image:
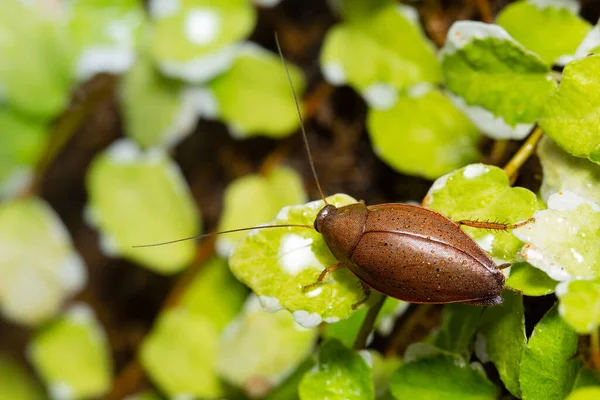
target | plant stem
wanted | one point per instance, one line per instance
(526, 150)
(367, 326)
(485, 10)
(595, 344)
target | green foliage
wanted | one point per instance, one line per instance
(570, 116)
(529, 280)
(548, 368)
(340, 374)
(454, 379)
(71, 355)
(580, 304)
(534, 26)
(587, 393)
(125, 186)
(501, 85)
(457, 329)
(436, 137)
(34, 284)
(481, 192)
(276, 263)
(15, 383)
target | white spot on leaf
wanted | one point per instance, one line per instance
(163, 8)
(381, 96)
(333, 72)
(202, 26)
(570, 5)
(270, 304)
(475, 170)
(306, 319)
(202, 68)
(296, 253)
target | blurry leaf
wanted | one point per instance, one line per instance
(572, 254)
(15, 383)
(144, 396)
(256, 199)
(529, 280)
(534, 24)
(215, 293)
(72, 355)
(580, 304)
(383, 369)
(254, 97)
(548, 368)
(482, 193)
(288, 390)
(140, 198)
(21, 142)
(562, 171)
(196, 40)
(435, 138)
(340, 374)
(157, 111)
(587, 376)
(347, 330)
(590, 44)
(441, 376)
(357, 9)
(106, 34)
(38, 267)
(502, 330)
(458, 326)
(587, 393)
(379, 54)
(276, 263)
(258, 350)
(499, 84)
(179, 355)
(38, 78)
(570, 117)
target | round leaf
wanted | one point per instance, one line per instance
(580, 304)
(15, 383)
(482, 193)
(72, 356)
(424, 135)
(573, 252)
(534, 24)
(259, 349)
(529, 280)
(256, 199)
(340, 374)
(570, 117)
(499, 84)
(276, 263)
(140, 198)
(34, 284)
(197, 40)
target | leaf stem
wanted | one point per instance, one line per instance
(367, 326)
(485, 10)
(526, 150)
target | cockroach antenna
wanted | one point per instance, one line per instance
(304, 135)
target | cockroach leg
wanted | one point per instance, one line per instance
(367, 293)
(494, 225)
(502, 266)
(324, 273)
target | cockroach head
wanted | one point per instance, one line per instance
(322, 215)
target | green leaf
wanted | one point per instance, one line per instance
(256, 199)
(179, 355)
(254, 97)
(441, 376)
(347, 330)
(71, 355)
(587, 393)
(502, 337)
(499, 84)
(106, 34)
(21, 143)
(563, 172)
(574, 253)
(276, 263)
(570, 117)
(383, 370)
(198, 40)
(534, 24)
(340, 374)
(590, 44)
(587, 376)
(548, 368)
(580, 304)
(379, 54)
(15, 383)
(214, 293)
(436, 137)
(288, 390)
(482, 193)
(457, 329)
(141, 198)
(157, 111)
(34, 284)
(38, 78)
(529, 280)
(258, 350)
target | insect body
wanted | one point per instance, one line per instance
(410, 253)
